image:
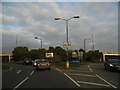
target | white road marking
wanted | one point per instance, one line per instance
(77, 71)
(31, 72)
(106, 81)
(18, 71)
(20, 83)
(81, 74)
(58, 69)
(90, 68)
(72, 80)
(93, 83)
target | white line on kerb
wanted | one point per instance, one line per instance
(106, 81)
(72, 79)
(20, 83)
(31, 72)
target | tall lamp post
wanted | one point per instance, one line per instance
(85, 43)
(40, 40)
(67, 26)
(67, 41)
(85, 47)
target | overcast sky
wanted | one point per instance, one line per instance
(22, 21)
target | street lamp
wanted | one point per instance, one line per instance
(85, 44)
(40, 40)
(92, 43)
(67, 41)
(66, 25)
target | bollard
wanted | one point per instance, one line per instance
(67, 64)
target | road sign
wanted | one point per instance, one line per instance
(67, 44)
(49, 55)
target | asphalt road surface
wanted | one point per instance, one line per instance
(88, 76)
(93, 76)
(21, 76)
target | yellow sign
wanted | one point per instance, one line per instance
(67, 44)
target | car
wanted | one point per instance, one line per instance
(19, 62)
(74, 61)
(35, 62)
(43, 64)
(112, 65)
(27, 61)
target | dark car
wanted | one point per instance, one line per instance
(27, 61)
(43, 64)
(19, 62)
(112, 65)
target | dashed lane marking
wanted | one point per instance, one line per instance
(31, 73)
(20, 83)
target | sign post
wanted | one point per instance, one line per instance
(67, 45)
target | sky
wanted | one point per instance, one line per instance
(23, 21)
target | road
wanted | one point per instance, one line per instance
(93, 76)
(27, 77)
(88, 76)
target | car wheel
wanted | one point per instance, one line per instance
(105, 68)
(48, 68)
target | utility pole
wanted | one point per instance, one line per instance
(16, 40)
(92, 43)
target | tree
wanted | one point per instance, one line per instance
(94, 56)
(51, 50)
(35, 54)
(42, 53)
(61, 52)
(20, 53)
(69, 52)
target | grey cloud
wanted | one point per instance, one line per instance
(37, 19)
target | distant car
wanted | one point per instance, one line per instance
(43, 64)
(74, 61)
(19, 62)
(27, 61)
(112, 65)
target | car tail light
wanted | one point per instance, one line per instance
(38, 64)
